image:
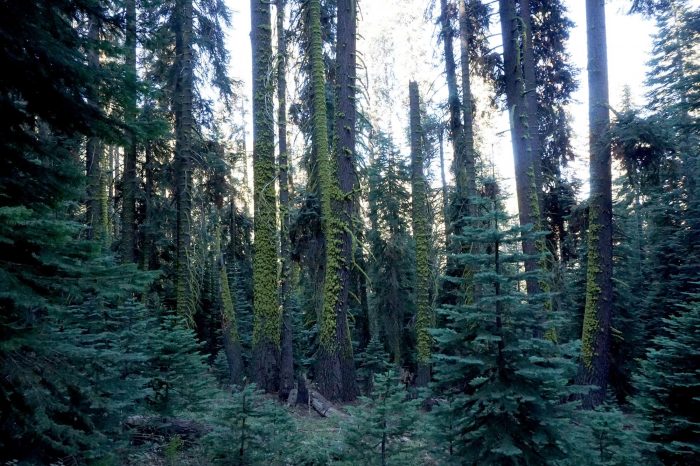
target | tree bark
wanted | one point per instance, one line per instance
(525, 179)
(419, 215)
(287, 350)
(469, 157)
(184, 132)
(267, 326)
(229, 323)
(595, 340)
(128, 239)
(96, 195)
(335, 372)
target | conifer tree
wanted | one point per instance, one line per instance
(669, 388)
(381, 428)
(267, 326)
(595, 339)
(502, 383)
(334, 358)
(421, 238)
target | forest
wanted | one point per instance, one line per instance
(199, 271)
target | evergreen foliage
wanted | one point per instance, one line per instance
(502, 383)
(382, 428)
(669, 388)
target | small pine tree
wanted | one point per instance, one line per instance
(669, 388)
(250, 429)
(374, 360)
(381, 430)
(498, 384)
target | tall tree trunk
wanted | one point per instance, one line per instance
(147, 251)
(128, 239)
(469, 157)
(595, 340)
(445, 198)
(184, 132)
(335, 366)
(525, 179)
(419, 215)
(96, 202)
(267, 325)
(454, 105)
(287, 350)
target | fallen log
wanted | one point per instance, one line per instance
(166, 427)
(322, 406)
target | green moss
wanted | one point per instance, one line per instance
(591, 325)
(267, 315)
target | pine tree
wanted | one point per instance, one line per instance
(419, 214)
(595, 339)
(502, 383)
(335, 349)
(250, 430)
(267, 328)
(382, 427)
(669, 387)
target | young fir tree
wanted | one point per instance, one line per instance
(501, 384)
(382, 428)
(391, 266)
(251, 429)
(669, 388)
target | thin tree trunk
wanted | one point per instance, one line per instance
(421, 236)
(287, 349)
(128, 233)
(469, 157)
(445, 199)
(267, 326)
(184, 132)
(454, 105)
(229, 324)
(96, 208)
(148, 236)
(525, 180)
(595, 340)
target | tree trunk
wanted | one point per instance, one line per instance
(454, 105)
(422, 238)
(96, 208)
(525, 178)
(229, 323)
(128, 239)
(345, 121)
(335, 372)
(184, 132)
(595, 340)
(468, 160)
(267, 317)
(287, 350)
(445, 198)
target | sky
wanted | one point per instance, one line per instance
(397, 43)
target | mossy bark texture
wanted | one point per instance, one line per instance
(184, 133)
(287, 344)
(595, 340)
(518, 63)
(421, 236)
(267, 319)
(335, 373)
